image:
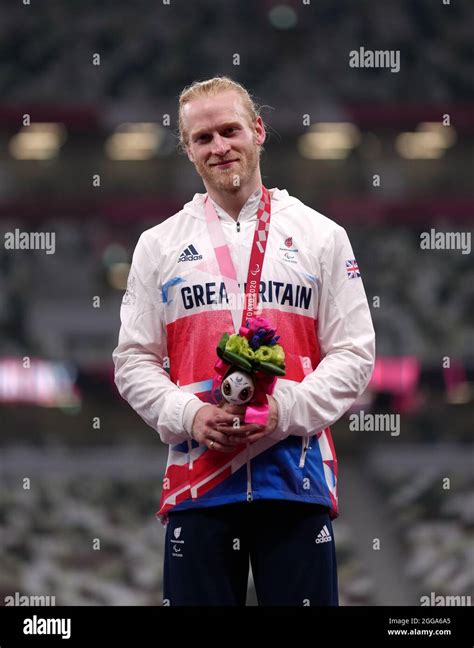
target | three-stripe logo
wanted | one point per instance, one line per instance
(189, 254)
(323, 536)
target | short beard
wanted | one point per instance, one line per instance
(229, 181)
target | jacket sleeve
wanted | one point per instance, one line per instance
(347, 342)
(139, 358)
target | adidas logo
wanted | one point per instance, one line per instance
(189, 254)
(323, 536)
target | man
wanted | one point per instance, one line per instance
(236, 491)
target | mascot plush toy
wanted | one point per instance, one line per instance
(238, 387)
(248, 366)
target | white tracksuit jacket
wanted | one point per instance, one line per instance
(174, 313)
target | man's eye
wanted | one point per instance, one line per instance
(229, 131)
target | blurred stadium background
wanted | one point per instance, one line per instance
(98, 165)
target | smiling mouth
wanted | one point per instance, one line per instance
(218, 164)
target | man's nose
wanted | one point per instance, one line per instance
(219, 145)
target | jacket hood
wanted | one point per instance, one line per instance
(280, 199)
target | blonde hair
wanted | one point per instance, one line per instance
(210, 88)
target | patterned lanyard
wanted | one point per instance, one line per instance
(257, 256)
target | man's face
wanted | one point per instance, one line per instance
(222, 143)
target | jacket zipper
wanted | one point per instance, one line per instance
(249, 469)
(249, 475)
(190, 467)
(304, 451)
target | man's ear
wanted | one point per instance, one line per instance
(260, 132)
(189, 154)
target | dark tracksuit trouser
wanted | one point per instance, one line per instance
(290, 546)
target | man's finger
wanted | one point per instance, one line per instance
(216, 440)
(219, 447)
(255, 436)
(235, 409)
(241, 430)
(222, 420)
(219, 436)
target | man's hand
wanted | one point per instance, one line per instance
(243, 432)
(214, 427)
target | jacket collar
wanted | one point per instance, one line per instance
(248, 211)
(280, 198)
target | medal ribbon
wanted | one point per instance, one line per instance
(265, 384)
(257, 256)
